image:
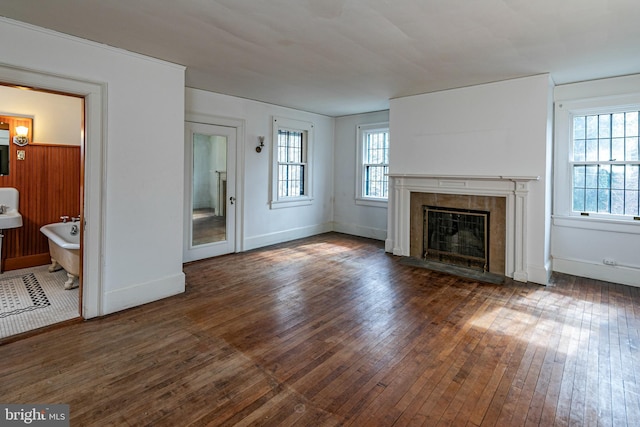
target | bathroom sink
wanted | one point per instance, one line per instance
(10, 219)
(9, 215)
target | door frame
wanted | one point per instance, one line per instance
(191, 252)
(93, 182)
(239, 125)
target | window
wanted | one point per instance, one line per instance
(373, 164)
(605, 163)
(291, 168)
(291, 163)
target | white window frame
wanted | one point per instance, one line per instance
(361, 198)
(283, 123)
(565, 111)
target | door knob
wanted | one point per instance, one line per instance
(232, 199)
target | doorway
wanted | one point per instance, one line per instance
(94, 95)
(210, 190)
(46, 171)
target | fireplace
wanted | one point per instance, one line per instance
(456, 236)
(504, 197)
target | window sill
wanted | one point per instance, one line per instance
(598, 224)
(291, 203)
(378, 203)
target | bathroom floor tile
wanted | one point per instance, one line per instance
(32, 298)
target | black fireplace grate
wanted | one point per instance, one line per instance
(457, 236)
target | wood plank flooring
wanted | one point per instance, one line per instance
(332, 331)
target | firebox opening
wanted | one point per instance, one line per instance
(456, 236)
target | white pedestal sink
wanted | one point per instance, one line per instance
(9, 215)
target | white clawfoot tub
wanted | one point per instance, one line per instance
(64, 248)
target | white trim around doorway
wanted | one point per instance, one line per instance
(239, 125)
(94, 180)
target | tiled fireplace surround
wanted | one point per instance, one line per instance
(504, 197)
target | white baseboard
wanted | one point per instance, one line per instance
(142, 293)
(388, 245)
(540, 274)
(520, 276)
(285, 236)
(592, 270)
(358, 230)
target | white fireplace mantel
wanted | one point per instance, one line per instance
(514, 188)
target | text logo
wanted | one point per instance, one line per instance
(34, 415)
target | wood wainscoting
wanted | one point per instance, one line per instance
(48, 180)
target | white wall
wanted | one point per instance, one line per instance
(349, 217)
(580, 244)
(142, 158)
(56, 119)
(262, 225)
(497, 129)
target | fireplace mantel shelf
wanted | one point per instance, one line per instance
(467, 177)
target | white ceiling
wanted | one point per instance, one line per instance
(339, 57)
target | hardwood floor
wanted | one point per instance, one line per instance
(332, 331)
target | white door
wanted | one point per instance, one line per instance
(210, 189)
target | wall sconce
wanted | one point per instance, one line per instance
(21, 138)
(259, 147)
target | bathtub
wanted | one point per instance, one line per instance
(64, 248)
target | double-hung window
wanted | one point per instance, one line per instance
(291, 163)
(605, 163)
(373, 164)
(597, 158)
(291, 172)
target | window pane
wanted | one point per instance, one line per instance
(376, 147)
(631, 123)
(603, 200)
(631, 203)
(591, 176)
(617, 177)
(631, 149)
(579, 127)
(617, 202)
(289, 146)
(592, 126)
(617, 125)
(592, 150)
(591, 200)
(631, 177)
(604, 176)
(604, 150)
(290, 180)
(376, 181)
(578, 200)
(604, 126)
(609, 137)
(579, 176)
(579, 146)
(617, 149)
